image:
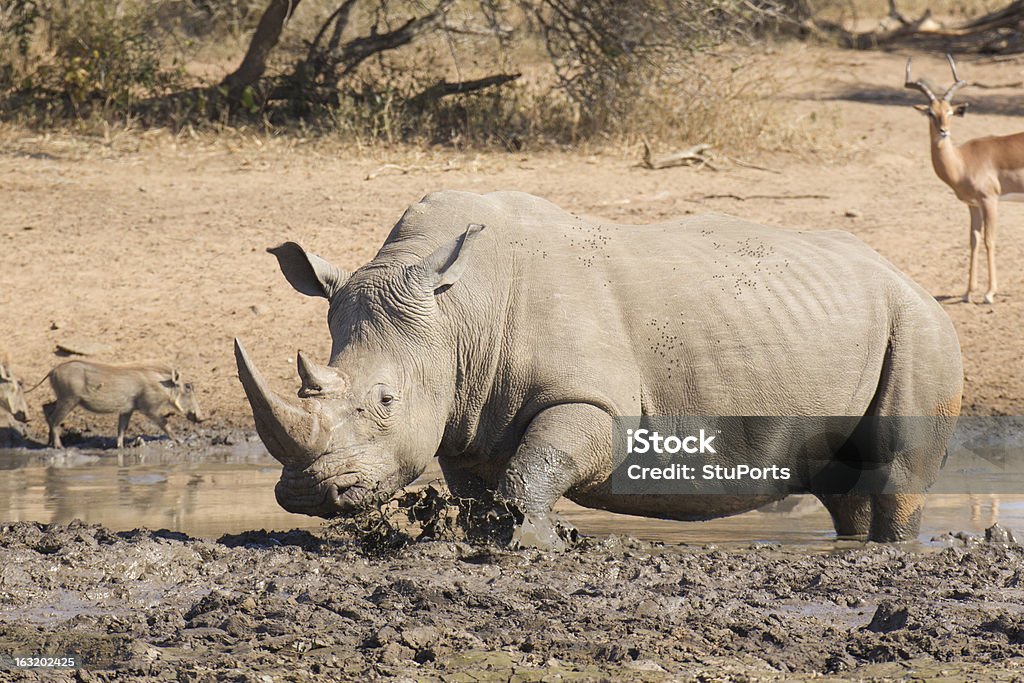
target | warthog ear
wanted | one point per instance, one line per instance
(5, 374)
(307, 272)
(445, 266)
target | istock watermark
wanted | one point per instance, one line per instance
(758, 455)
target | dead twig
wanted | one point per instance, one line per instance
(698, 155)
(396, 169)
(747, 164)
(742, 198)
(996, 86)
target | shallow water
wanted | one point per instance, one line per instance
(227, 489)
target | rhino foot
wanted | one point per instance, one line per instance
(543, 532)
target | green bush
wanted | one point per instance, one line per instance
(82, 57)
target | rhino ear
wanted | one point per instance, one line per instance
(307, 272)
(445, 266)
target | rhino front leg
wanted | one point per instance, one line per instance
(564, 448)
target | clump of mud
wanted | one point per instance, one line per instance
(299, 606)
(428, 514)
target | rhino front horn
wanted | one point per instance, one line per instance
(291, 433)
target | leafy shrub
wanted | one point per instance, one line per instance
(83, 56)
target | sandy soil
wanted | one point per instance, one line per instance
(155, 246)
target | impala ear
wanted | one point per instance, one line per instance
(960, 109)
(923, 108)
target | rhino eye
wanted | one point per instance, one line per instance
(387, 399)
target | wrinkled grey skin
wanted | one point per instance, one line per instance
(154, 390)
(506, 351)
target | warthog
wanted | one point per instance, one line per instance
(12, 398)
(509, 351)
(153, 390)
(13, 410)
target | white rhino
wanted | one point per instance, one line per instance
(506, 351)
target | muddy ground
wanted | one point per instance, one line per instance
(143, 605)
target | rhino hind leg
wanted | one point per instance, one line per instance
(55, 413)
(897, 517)
(851, 513)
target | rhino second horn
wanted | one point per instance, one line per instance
(315, 378)
(290, 433)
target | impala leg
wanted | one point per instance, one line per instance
(991, 212)
(972, 277)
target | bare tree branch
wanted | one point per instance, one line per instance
(356, 51)
(445, 88)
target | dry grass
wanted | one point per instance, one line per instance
(731, 98)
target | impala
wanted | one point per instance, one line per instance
(980, 171)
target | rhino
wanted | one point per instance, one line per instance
(152, 389)
(503, 336)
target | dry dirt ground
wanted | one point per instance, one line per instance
(154, 246)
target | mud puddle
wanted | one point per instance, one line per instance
(769, 595)
(209, 490)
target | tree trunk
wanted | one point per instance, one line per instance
(268, 32)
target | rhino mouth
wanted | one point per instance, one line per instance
(327, 497)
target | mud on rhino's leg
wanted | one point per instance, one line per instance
(564, 447)
(910, 448)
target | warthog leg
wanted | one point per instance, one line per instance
(58, 410)
(122, 426)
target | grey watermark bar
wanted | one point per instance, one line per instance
(757, 455)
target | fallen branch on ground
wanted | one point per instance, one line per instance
(993, 32)
(995, 86)
(698, 155)
(396, 169)
(742, 198)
